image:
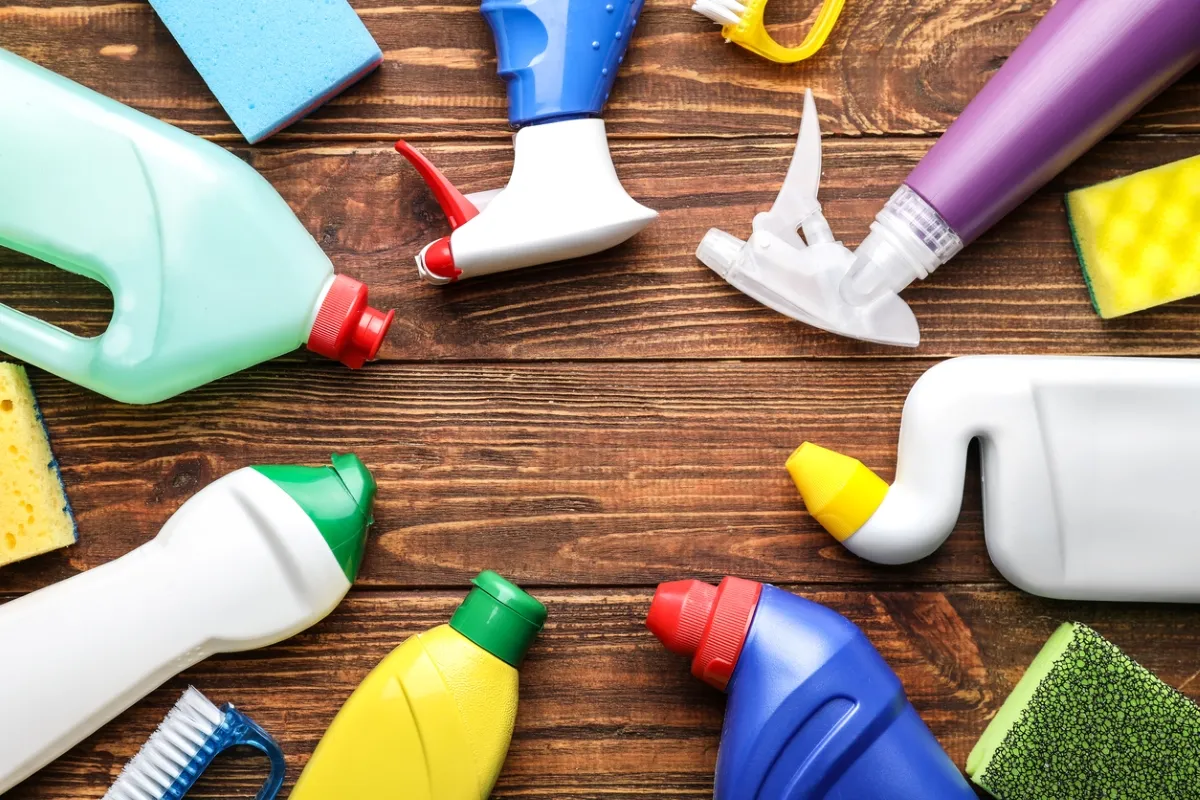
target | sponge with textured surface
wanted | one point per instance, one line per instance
(1086, 721)
(34, 514)
(270, 62)
(1138, 237)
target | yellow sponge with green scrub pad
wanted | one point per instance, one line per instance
(35, 516)
(1138, 237)
(1086, 722)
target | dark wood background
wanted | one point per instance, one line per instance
(592, 428)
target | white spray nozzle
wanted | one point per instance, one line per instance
(719, 251)
(563, 200)
(816, 279)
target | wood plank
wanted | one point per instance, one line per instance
(558, 474)
(1018, 289)
(606, 712)
(891, 67)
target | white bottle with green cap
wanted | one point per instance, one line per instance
(252, 559)
(434, 719)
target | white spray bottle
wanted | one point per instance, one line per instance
(1090, 470)
(254, 558)
(564, 199)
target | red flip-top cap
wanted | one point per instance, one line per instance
(346, 328)
(710, 623)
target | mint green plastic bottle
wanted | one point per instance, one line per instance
(210, 270)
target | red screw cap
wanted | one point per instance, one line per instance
(346, 328)
(692, 618)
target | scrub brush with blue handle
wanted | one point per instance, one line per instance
(193, 733)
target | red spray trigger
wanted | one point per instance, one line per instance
(457, 208)
(436, 261)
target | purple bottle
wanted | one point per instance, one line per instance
(1086, 67)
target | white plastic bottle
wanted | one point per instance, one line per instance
(254, 558)
(1091, 469)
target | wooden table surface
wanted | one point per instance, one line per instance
(592, 428)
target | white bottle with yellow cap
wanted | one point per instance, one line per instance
(1091, 469)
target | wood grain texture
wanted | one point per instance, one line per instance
(606, 711)
(592, 428)
(1018, 289)
(563, 474)
(891, 67)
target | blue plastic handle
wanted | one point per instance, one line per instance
(559, 57)
(235, 730)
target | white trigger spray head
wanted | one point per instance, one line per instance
(803, 277)
(563, 200)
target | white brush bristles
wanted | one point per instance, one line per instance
(722, 12)
(163, 757)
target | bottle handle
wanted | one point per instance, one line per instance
(44, 345)
(559, 65)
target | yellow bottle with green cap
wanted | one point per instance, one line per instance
(434, 719)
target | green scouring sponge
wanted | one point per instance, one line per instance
(1086, 722)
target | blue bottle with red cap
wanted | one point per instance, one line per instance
(814, 711)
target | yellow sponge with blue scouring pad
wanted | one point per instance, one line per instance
(1138, 237)
(35, 516)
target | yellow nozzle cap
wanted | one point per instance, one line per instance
(838, 490)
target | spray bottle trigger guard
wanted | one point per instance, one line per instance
(457, 208)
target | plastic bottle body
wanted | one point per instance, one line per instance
(1089, 468)
(1087, 66)
(564, 199)
(815, 712)
(239, 566)
(559, 58)
(1054, 98)
(432, 721)
(210, 270)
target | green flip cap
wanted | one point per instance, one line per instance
(499, 617)
(337, 499)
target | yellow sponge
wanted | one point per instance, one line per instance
(1138, 237)
(35, 516)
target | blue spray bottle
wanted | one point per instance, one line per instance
(814, 712)
(564, 200)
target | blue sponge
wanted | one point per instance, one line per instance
(270, 62)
